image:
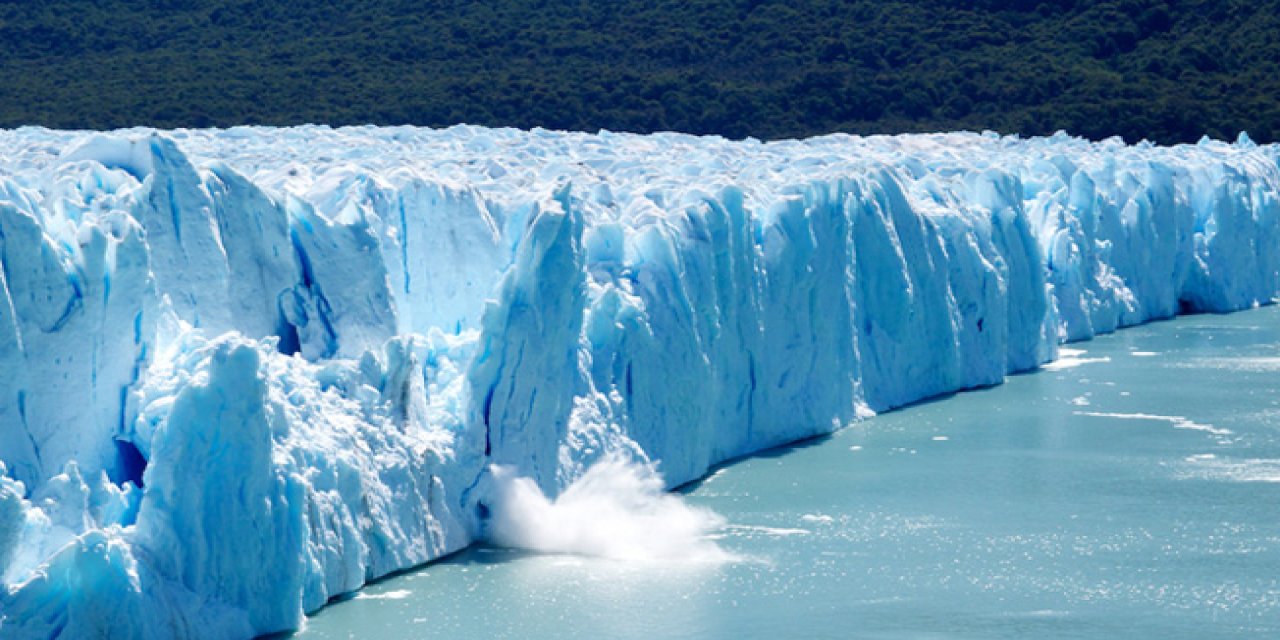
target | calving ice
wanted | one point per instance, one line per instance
(248, 370)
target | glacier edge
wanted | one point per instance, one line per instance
(313, 343)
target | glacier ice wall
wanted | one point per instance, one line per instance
(248, 370)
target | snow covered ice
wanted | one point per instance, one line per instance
(248, 370)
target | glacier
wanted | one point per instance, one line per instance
(248, 370)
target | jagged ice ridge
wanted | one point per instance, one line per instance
(248, 370)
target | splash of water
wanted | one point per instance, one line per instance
(618, 509)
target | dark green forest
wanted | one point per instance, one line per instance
(1164, 70)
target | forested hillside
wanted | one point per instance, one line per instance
(1166, 70)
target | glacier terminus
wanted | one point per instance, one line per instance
(246, 371)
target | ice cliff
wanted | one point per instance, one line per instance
(246, 371)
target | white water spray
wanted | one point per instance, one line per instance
(618, 509)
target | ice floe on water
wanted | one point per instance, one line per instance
(1177, 422)
(1211, 467)
(1070, 359)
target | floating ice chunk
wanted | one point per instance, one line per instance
(1178, 422)
(817, 518)
(395, 594)
(1266, 470)
(1071, 358)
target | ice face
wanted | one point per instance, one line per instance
(248, 370)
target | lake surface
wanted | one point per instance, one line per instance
(1129, 491)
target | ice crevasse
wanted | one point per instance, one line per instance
(248, 370)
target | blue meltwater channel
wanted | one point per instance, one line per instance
(1129, 490)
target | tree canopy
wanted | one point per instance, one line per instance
(1164, 70)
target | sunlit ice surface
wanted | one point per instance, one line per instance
(376, 320)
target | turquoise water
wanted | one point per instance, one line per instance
(1133, 493)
